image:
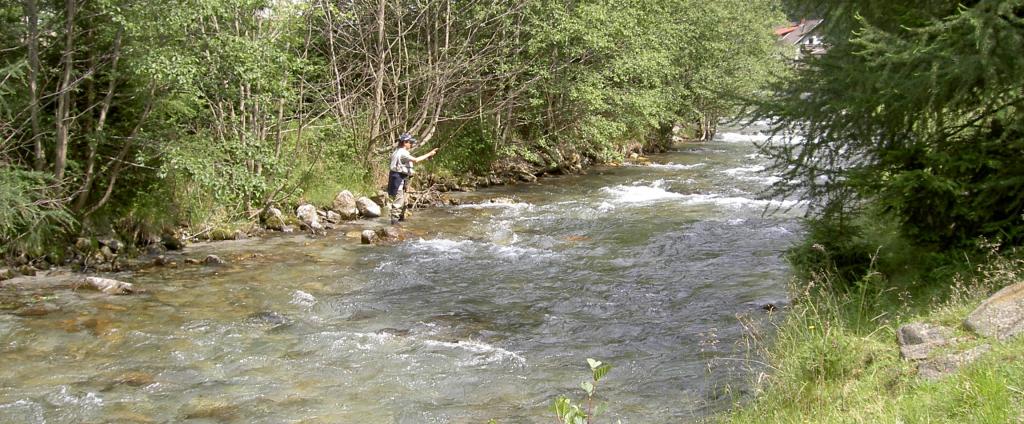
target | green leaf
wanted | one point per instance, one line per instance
(601, 371)
(588, 387)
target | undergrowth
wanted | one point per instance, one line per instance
(835, 359)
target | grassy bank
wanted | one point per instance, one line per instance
(835, 358)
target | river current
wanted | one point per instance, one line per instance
(487, 310)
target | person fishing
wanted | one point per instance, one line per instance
(401, 169)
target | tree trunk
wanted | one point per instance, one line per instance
(32, 15)
(64, 94)
(118, 162)
(378, 87)
(108, 100)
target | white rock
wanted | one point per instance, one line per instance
(367, 207)
(345, 205)
(109, 286)
(368, 236)
(307, 214)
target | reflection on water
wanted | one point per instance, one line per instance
(486, 311)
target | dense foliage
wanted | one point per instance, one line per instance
(914, 114)
(137, 116)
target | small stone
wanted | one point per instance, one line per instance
(213, 260)
(39, 310)
(1001, 315)
(83, 244)
(917, 340)
(193, 261)
(27, 270)
(333, 217)
(921, 333)
(136, 379)
(108, 253)
(390, 233)
(114, 244)
(155, 249)
(941, 367)
(172, 242)
(368, 236)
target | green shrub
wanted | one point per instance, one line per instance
(32, 216)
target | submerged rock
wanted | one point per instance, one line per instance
(1000, 316)
(213, 260)
(267, 317)
(109, 286)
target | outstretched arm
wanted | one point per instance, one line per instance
(426, 156)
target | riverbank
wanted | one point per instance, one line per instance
(643, 267)
(837, 357)
(134, 245)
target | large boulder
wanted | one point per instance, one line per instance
(345, 205)
(367, 207)
(273, 219)
(1000, 316)
(917, 340)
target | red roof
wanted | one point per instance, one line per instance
(780, 31)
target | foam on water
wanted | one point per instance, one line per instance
(481, 352)
(744, 170)
(302, 298)
(65, 397)
(783, 139)
(489, 353)
(737, 202)
(639, 193)
(441, 245)
(730, 137)
(676, 166)
(515, 252)
(498, 205)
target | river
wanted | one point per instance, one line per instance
(485, 311)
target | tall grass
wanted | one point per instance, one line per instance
(835, 358)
